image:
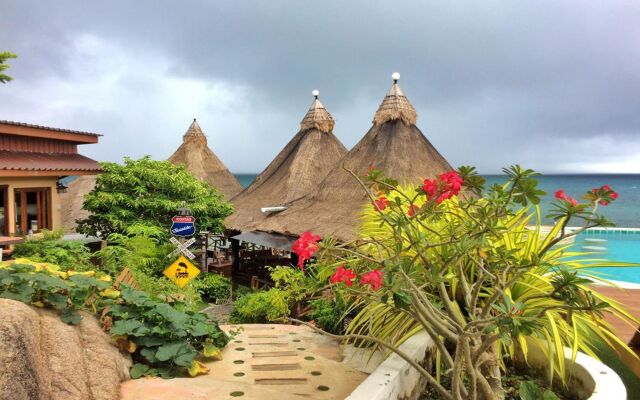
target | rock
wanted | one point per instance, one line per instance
(43, 358)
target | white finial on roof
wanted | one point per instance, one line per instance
(317, 117)
(395, 106)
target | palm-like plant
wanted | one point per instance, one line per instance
(473, 273)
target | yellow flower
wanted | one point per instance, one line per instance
(198, 368)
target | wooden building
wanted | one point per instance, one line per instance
(33, 159)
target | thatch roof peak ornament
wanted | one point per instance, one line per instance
(195, 133)
(317, 117)
(198, 158)
(395, 106)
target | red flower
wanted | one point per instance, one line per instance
(373, 278)
(430, 187)
(413, 209)
(561, 195)
(607, 192)
(445, 187)
(305, 247)
(343, 275)
(381, 203)
(572, 201)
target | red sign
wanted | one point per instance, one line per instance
(183, 219)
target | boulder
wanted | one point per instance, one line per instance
(43, 358)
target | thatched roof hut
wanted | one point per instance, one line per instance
(71, 201)
(393, 144)
(295, 172)
(198, 158)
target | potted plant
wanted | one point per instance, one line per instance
(473, 269)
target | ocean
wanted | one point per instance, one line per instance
(624, 212)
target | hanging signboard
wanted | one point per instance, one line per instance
(183, 225)
(181, 272)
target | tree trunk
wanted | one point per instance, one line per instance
(490, 374)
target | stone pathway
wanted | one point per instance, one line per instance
(278, 362)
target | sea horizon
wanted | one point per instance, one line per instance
(624, 212)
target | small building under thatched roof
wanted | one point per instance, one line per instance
(394, 144)
(198, 158)
(294, 173)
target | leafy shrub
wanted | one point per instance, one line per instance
(51, 248)
(187, 298)
(213, 287)
(137, 249)
(327, 314)
(44, 285)
(164, 340)
(260, 307)
(476, 272)
(147, 193)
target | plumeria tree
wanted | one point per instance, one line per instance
(471, 267)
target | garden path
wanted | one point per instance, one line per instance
(279, 362)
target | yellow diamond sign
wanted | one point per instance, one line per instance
(181, 272)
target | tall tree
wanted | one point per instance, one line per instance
(4, 56)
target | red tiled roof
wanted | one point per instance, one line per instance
(14, 123)
(22, 161)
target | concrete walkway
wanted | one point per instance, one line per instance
(278, 362)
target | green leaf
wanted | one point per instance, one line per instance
(529, 390)
(70, 317)
(131, 327)
(138, 370)
(181, 354)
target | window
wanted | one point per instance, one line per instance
(33, 210)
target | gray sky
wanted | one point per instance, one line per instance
(552, 85)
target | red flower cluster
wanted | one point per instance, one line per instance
(444, 187)
(381, 203)
(562, 196)
(605, 190)
(343, 275)
(305, 247)
(372, 278)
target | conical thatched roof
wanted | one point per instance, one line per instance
(71, 201)
(198, 158)
(393, 144)
(295, 172)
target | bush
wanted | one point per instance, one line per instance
(327, 314)
(260, 307)
(187, 298)
(148, 193)
(163, 339)
(476, 272)
(213, 287)
(51, 248)
(137, 249)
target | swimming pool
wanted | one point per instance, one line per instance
(615, 245)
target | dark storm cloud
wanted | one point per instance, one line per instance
(551, 84)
